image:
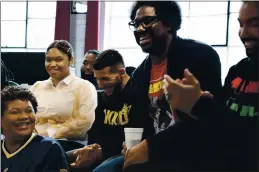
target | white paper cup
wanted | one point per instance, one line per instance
(133, 136)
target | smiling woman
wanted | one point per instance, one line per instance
(66, 103)
(21, 149)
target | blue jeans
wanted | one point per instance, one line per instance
(111, 165)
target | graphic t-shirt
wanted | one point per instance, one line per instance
(112, 115)
(242, 93)
(243, 100)
(241, 121)
(159, 109)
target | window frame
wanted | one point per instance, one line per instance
(109, 17)
(227, 23)
(25, 47)
(24, 34)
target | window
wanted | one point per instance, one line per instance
(235, 6)
(13, 24)
(120, 9)
(40, 33)
(132, 57)
(213, 34)
(41, 10)
(13, 11)
(214, 23)
(117, 32)
(207, 8)
(185, 6)
(27, 24)
(11, 36)
(233, 39)
(235, 54)
(121, 36)
(201, 20)
(185, 24)
(118, 35)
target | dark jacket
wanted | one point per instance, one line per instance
(226, 137)
(201, 59)
(236, 111)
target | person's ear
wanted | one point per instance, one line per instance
(71, 61)
(122, 71)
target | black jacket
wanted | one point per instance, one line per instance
(236, 111)
(226, 137)
(201, 59)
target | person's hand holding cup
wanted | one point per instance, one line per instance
(133, 137)
(124, 149)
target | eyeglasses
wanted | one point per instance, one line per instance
(146, 22)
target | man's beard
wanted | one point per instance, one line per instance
(89, 78)
(252, 52)
(157, 46)
(116, 93)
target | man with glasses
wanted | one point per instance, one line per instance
(87, 72)
(112, 114)
(155, 26)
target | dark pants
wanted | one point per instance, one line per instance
(116, 165)
(89, 169)
(140, 168)
(111, 165)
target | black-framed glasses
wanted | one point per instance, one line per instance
(145, 22)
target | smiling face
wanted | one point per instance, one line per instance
(154, 37)
(18, 119)
(249, 28)
(57, 64)
(109, 81)
(87, 67)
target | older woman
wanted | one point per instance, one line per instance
(66, 103)
(21, 149)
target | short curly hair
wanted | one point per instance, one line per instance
(169, 12)
(11, 93)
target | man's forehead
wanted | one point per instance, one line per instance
(104, 71)
(90, 57)
(249, 10)
(88, 60)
